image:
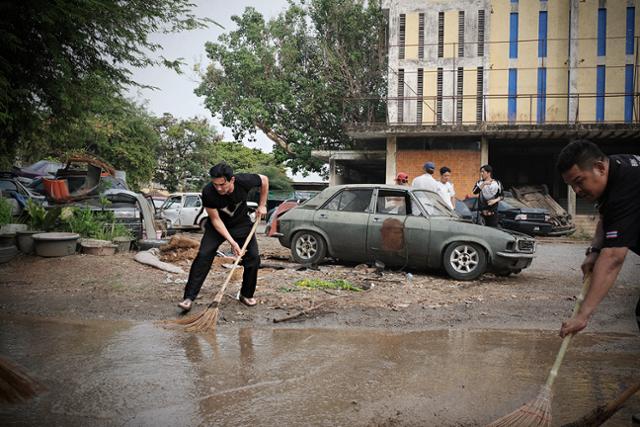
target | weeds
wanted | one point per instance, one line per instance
(5, 211)
(327, 284)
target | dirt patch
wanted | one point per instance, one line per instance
(117, 287)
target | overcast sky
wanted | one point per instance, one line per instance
(175, 91)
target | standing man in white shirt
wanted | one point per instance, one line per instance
(448, 193)
(426, 181)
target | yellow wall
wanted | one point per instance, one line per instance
(469, 91)
(430, 79)
(411, 36)
(451, 34)
(615, 60)
(557, 84)
(498, 49)
(527, 34)
(587, 59)
(557, 59)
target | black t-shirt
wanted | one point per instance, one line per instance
(232, 208)
(619, 206)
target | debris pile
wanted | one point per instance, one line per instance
(179, 248)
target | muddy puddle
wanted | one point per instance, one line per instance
(138, 374)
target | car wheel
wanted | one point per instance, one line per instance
(464, 261)
(308, 247)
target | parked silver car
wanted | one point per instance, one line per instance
(399, 227)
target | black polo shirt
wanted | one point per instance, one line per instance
(619, 206)
(232, 208)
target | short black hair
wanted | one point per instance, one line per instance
(487, 168)
(581, 152)
(221, 170)
(444, 170)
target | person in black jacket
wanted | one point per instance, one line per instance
(225, 199)
(612, 182)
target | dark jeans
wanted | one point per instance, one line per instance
(209, 245)
(490, 220)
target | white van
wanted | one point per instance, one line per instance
(184, 211)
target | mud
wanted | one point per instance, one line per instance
(132, 373)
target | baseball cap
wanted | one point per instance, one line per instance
(402, 177)
(429, 166)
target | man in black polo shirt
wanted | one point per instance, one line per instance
(225, 199)
(612, 182)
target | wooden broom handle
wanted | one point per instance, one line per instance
(586, 282)
(220, 293)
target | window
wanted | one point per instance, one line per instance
(192, 202)
(439, 83)
(513, 90)
(400, 95)
(421, 36)
(420, 94)
(350, 201)
(513, 35)
(542, 95)
(481, 33)
(440, 34)
(542, 34)
(628, 93)
(172, 202)
(461, 33)
(459, 94)
(600, 83)
(479, 93)
(401, 35)
(6, 185)
(392, 202)
(631, 30)
(602, 32)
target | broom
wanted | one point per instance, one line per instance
(538, 412)
(207, 319)
(602, 413)
(15, 384)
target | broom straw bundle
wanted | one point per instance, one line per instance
(207, 319)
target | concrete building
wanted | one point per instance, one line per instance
(504, 82)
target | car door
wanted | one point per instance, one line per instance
(190, 209)
(344, 219)
(171, 209)
(386, 234)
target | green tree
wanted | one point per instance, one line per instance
(289, 77)
(183, 151)
(52, 49)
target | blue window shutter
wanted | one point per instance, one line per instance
(631, 30)
(513, 35)
(542, 95)
(513, 90)
(628, 93)
(602, 32)
(600, 80)
(542, 34)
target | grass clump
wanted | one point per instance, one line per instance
(327, 284)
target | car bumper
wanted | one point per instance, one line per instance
(528, 227)
(512, 261)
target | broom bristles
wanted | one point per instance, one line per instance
(536, 413)
(15, 384)
(204, 321)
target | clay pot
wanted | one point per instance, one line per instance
(26, 244)
(97, 247)
(55, 244)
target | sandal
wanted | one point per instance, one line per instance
(249, 302)
(185, 305)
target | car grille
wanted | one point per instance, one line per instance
(535, 217)
(526, 246)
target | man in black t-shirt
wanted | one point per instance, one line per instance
(612, 182)
(225, 199)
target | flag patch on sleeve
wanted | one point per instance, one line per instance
(611, 235)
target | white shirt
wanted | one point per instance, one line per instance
(426, 182)
(447, 192)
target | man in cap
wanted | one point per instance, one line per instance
(426, 181)
(402, 179)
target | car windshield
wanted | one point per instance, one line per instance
(433, 204)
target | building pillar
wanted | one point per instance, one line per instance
(571, 202)
(573, 102)
(392, 146)
(332, 173)
(484, 151)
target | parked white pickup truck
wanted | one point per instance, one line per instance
(185, 211)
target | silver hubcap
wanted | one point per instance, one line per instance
(464, 259)
(307, 246)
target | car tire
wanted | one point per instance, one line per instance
(308, 247)
(464, 261)
(504, 273)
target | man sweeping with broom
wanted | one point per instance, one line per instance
(225, 199)
(612, 182)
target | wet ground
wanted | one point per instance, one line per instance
(138, 373)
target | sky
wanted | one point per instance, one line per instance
(174, 93)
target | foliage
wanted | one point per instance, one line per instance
(288, 77)
(94, 224)
(40, 219)
(182, 152)
(52, 49)
(5, 211)
(327, 284)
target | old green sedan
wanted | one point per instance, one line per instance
(400, 227)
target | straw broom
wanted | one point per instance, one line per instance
(537, 413)
(207, 319)
(15, 384)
